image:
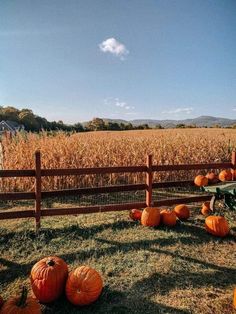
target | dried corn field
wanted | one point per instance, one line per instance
(102, 149)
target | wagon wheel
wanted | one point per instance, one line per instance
(217, 203)
(212, 203)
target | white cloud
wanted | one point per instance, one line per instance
(114, 47)
(121, 104)
(187, 110)
(234, 109)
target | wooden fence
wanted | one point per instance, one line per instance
(37, 212)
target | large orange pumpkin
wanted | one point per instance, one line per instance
(21, 305)
(135, 214)
(206, 209)
(212, 177)
(48, 278)
(225, 175)
(200, 180)
(182, 211)
(168, 217)
(217, 225)
(150, 217)
(84, 286)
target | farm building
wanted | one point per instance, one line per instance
(10, 126)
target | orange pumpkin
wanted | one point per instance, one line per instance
(84, 286)
(206, 209)
(150, 217)
(200, 180)
(234, 299)
(217, 225)
(48, 278)
(182, 211)
(234, 174)
(135, 214)
(225, 175)
(1, 301)
(168, 217)
(21, 305)
(212, 177)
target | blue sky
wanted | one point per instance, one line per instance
(73, 60)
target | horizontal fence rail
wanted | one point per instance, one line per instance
(148, 187)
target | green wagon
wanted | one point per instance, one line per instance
(224, 195)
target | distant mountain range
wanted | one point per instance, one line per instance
(201, 121)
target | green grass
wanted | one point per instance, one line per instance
(145, 270)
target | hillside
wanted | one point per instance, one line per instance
(208, 121)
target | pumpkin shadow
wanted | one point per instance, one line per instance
(112, 301)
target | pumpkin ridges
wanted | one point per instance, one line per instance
(168, 217)
(48, 281)
(182, 211)
(200, 180)
(225, 175)
(14, 305)
(205, 210)
(217, 225)
(151, 217)
(84, 285)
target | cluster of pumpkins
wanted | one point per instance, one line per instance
(49, 279)
(213, 178)
(153, 217)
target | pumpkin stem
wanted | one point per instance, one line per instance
(22, 300)
(51, 262)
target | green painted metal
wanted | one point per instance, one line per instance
(225, 192)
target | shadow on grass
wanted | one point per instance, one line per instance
(190, 235)
(188, 280)
(74, 231)
(112, 301)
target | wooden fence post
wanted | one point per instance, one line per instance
(149, 181)
(38, 182)
(233, 161)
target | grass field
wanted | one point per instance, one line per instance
(145, 270)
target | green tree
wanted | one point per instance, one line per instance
(96, 124)
(10, 113)
(27, 118)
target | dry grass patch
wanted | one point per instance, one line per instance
(145, 270)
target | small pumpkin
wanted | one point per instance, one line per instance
(206, 209)
(212, 177)
(234, 299)
(150, 217)
(1, 301)
(135, 214)
(168, 217)
(21, 305)
(225, 175)
(48, 278)
(201, 180)
(84, 286)
(217, 225)
(182, 211)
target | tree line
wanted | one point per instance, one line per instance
(36, 123)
